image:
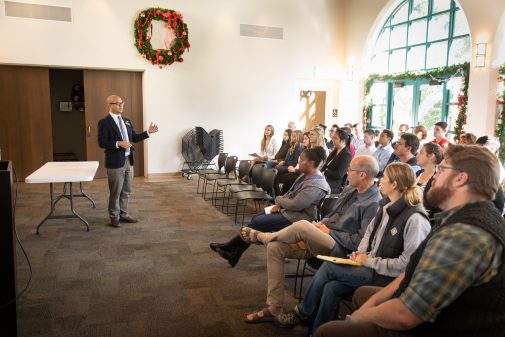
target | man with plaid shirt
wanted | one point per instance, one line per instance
(454, 284)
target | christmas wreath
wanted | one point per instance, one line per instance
(143, 33)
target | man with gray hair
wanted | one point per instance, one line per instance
(338, 234)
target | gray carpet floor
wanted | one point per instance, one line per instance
(154, 278)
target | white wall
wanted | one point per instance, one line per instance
(228, 82)
(360, 16)
(499, 44)
(483, 18)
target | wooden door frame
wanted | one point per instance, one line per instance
(328, 102)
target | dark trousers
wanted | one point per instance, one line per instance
(358, 329)
(261, 222)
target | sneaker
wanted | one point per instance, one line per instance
(290, 319)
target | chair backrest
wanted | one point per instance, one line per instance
(231, 164)
(257, 174)
(267, 182)
(327, 206)
(243, 168)
(221, 160)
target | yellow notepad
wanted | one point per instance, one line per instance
(338, 260)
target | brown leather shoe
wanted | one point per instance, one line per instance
(114, 222)
(128, 219)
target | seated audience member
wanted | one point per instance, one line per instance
(330, 144)
(377, 134)
(283, 150)
(368, 147)
(292, 126)
(439, 131)
(268, 146)
(468, 139)
(384, 150)
(335, 167)
(357, 131)
(291, 160)
(395, 233)
(316, 136)
(300, 203)
(454, 284)
(351, 147)
(421, 133)
(284, 181)
(402, 129)
(428, 158)
(322, 126)
(493, 145)
(339, 234)
(405, 151)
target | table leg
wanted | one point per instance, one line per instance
(52, 207)
(86, 196)
(69, 197)
(73, 210)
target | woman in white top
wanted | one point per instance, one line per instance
(268, 147)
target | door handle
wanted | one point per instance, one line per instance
(89, 131)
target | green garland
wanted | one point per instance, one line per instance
(500, 131)
(161, 57)
(437, 73)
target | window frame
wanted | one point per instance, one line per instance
(452, 11)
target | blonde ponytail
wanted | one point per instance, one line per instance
(413, 196)
(405, 179)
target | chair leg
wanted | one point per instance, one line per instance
(296, 278)
(300, 297)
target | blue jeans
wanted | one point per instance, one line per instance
(272, 222)
(329, 284)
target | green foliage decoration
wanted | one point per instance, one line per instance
(143, 30)
(436, 73)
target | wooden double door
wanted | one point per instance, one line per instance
(25, 114)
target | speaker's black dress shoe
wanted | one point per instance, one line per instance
(214, 245)
(114, 222)
(128, 219)
(230, 255)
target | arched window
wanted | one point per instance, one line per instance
(419, 35)
(422, 34)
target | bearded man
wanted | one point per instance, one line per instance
(454, 284)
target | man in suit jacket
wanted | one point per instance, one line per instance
(115, 135)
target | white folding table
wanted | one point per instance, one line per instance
(64, 172)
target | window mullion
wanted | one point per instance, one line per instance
(452, 20)
(389, 109)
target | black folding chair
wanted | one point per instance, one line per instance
(221, 160)
(267, 193)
